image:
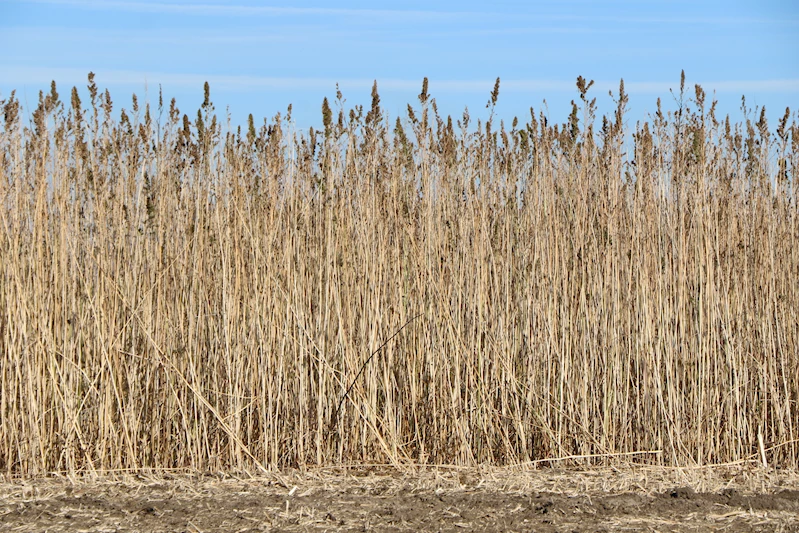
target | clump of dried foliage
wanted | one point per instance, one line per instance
(179, 294)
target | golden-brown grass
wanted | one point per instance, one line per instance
(177, 296)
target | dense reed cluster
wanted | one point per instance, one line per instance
(176, 293)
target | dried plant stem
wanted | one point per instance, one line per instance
(177, 297)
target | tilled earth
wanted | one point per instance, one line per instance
(734, 499)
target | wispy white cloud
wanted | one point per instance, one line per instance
(679, 21)
(710, 86)
(240, 10)
(266, 33)
(745, 86)
(17, 75)
(246, 10)
(73, 76)
(280, 33)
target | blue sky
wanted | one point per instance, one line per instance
(261, 56)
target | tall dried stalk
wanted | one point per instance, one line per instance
(177, 296)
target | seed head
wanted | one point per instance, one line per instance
(494, 95)
(424, 95)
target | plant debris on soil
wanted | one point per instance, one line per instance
(737, 498)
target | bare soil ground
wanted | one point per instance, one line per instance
(738, 498)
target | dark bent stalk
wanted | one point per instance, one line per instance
(334, 420)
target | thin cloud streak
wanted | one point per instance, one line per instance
(241, 10)
(706, 21)
(244, 10)
(722, 86)
(55, 34)
(267, 33)
(15, 75)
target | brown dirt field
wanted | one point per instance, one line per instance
(738, 498)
